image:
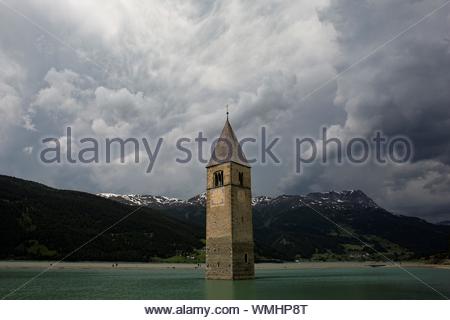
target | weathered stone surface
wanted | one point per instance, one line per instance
(229, 227)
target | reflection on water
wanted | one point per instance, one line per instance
(282, 284)
(227, 290)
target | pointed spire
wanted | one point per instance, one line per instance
(227, 148)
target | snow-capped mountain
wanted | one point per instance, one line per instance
(323, 200)
(316, 225)
(327, 200)
(155, 201)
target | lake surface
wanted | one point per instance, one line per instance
(358, 283)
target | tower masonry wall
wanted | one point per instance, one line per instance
(229, 227)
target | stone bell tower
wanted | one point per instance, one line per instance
(229, 227)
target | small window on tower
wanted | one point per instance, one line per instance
(218, 179)
(241, 178)
(246, 258)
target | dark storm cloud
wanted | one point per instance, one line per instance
(166, 69)
(403, 89)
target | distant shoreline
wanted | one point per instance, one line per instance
(92, 265)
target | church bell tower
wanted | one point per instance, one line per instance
(229, 227)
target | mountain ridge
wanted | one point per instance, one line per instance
(336, 198)
(319, 224)
(40, 222)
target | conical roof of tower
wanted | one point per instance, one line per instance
(227, 149)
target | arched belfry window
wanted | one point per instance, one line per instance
(218, 179)
(241, 179)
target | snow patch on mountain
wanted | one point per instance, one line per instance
(337, 200)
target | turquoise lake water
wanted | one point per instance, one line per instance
(358, 283)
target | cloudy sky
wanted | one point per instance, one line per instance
(167, 69)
